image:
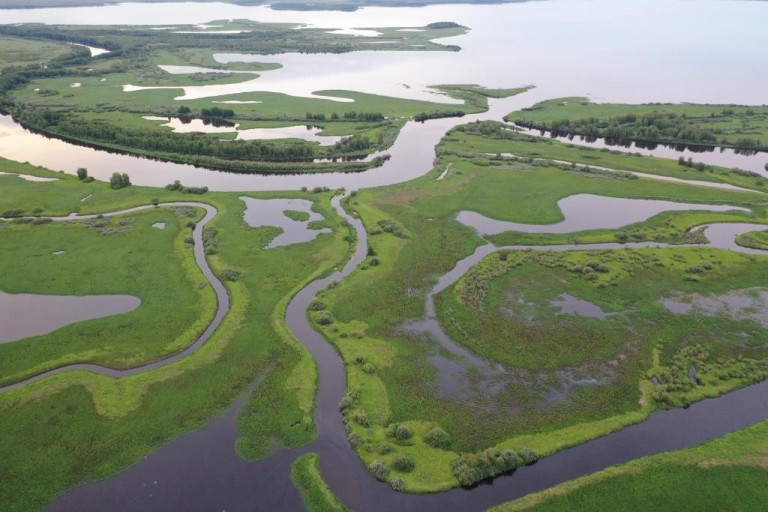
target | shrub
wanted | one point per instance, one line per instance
(528, 455)
(437, 438)
(369, 368)
(475, 467)
(12, 213)
(37, 211)
(379, 470)
(82, 173)
(177, 186)
(118, 181)
(360, 418)
(403, 463)
(324, 318)
(354, 439)
(398, 484)
(317, 305)
(384, 448)
(403, 433)
(230, 275)
(189, 240)
(390, 226)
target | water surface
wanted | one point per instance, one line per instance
(583, 212)
(25, 315)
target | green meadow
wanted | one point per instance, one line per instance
(105, 424)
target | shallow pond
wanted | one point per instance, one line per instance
(270, 212)
(583, 212)
(568, 304)
(751, 304)
(25, 315)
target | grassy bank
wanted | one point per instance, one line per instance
(414, 238)
(305, 473)
(81, 426)
(725, 474)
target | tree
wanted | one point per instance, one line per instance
(118, 181)
(82, 173)
(184, 110)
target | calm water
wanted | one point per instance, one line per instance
(583, 212)
(25, 315)
(599, 49)
(269, 212)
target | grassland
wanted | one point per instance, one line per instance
(725, 474)
(415, 238)
(744, 127)
(135, 259)
(305, 473)
(81, 426)
(22, 52)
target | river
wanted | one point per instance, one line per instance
(605, 50)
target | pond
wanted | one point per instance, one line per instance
(583, 212)
(272, 212)
(25, 315)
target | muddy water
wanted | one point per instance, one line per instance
(25, 315)
(584, 212)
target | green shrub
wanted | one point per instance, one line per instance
(403, 433)
(471, 468)
(384, 448)
(528, 455)
(437, 438)
(398, 484)
(317, 305)
(403, 463)
(379, 470)
(230, 275)
(324, 318)
(361, 418)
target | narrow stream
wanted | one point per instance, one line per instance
(222, 299)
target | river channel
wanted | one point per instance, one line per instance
(603, 53)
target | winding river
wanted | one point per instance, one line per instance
(200, 470)
(222, 299)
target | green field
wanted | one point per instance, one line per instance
(736, 126)
(105, 424)
(390, 375)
